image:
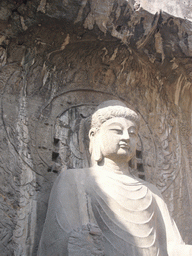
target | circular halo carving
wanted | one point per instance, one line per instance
(61, 144)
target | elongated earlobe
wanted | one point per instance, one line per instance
(97, 152)
(92, 133)
(94, 147)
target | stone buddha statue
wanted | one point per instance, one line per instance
(105, 209)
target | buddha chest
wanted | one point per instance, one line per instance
(126, 212)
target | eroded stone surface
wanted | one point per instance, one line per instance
(126, 213)
(55, 68)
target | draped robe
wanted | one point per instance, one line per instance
(131, 214)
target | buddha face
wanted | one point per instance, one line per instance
(117, 138)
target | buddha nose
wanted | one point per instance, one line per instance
(125, 135)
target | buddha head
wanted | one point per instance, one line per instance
(113, 133)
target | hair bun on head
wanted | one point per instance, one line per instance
(112, 108)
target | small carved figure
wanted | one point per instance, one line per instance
(105, 209)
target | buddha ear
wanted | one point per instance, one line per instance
(92, 133)
(97, 155)
(91, 140)
(94, 146)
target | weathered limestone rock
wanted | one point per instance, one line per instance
(128, 212)
(58, 60)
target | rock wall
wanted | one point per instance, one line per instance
(59, 59)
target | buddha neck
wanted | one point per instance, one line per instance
(107, 164)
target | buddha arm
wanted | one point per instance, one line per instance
(64, 214)
(175, 244)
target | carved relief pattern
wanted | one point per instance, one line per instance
(67, 131)
(168, 172)
(9, 195)
(168, 149)
(9, 168)
(41, 128)
(18, 178)
(71, 148)
(26, 214)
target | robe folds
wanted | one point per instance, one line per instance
(129, 212)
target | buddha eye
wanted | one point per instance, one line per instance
(116, 130)
(132, 132)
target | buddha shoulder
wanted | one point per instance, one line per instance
(71, 176)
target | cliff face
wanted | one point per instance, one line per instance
(58, 60)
